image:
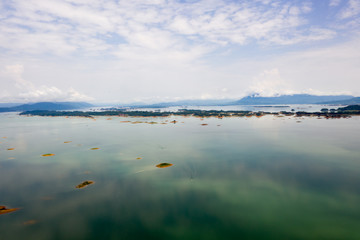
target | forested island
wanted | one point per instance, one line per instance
(326, 113)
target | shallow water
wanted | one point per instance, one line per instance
(249, 178)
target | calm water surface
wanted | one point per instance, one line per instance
(235, 178)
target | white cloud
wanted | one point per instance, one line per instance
(67, 27)
(120, 50)
(352, 9)
(45, 93)
(269, 84)
(26, 91)
(334, 3)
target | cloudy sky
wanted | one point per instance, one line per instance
(164, 50)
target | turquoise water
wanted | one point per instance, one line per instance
(235, 178)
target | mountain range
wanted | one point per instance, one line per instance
(292, 99)
(258, 100)
(47, 106)
(249, 100)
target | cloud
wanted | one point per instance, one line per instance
(26, 91)
(352, 9)
(334, 3)
(45, 93)
(167, 49)
(103, 27)
(269, 84)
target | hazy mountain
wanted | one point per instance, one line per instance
(208, 102)
(351, 101)
(291, 99)
(47, 106)
(6, 105)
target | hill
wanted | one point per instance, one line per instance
(47, 106)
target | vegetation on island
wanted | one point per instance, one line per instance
(332, 113)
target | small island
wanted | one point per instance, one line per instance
(85, 184)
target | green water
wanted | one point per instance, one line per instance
(249, 178)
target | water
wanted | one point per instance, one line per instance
(249, 178)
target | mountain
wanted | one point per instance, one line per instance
(351, 101)
(47, 106)
(291, 99)
(208, 102)
(6, 105)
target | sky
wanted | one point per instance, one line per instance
(122, 51)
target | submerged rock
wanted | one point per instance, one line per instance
(164, 165)
(85, 184)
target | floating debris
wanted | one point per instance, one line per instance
(30, 222)
(87, 172)
(11, 149)
(4, 210)
(174, 121)
(125, 121)
(204, 124)
(48, 155)
(152, 123)
(164, 165)
(94, 148)
(136, 122)
(11, 158)
(47, 198)
(85, 184)
(68, 142)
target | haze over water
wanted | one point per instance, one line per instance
(235, 178)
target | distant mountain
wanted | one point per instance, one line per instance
(209, 102)
(6, 105)
(291, 99)
(351, 101)
(47, 106)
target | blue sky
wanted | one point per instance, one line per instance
(164, 50)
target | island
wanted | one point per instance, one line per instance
(343, 112)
